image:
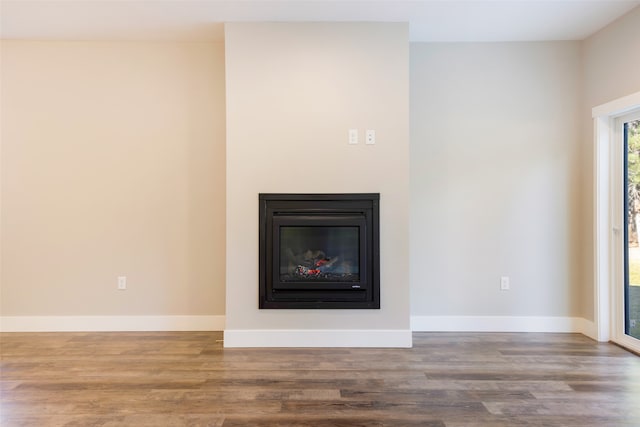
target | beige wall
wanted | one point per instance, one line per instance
(611, 61)
(113, 163)
(611, 70)
(293, 91)
(495, 178)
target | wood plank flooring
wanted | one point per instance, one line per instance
(188, 379)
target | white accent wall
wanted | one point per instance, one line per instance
(293, 92)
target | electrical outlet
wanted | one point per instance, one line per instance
(504, 283)
(371, 137)
(122, 283)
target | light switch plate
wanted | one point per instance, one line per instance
(353, 136)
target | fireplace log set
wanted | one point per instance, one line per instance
(316, 265)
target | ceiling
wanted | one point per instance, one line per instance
(437, 21)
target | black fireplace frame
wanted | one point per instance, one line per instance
(344, 209)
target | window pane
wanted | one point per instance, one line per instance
(632, 213)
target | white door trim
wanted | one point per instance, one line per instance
(608, 230)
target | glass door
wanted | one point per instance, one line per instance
(628, 307)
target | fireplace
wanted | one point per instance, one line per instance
(319, 251)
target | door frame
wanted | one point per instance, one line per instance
(608, 217)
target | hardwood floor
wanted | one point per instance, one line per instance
(188, 379)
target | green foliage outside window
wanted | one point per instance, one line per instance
(633, 182)
(633, 189)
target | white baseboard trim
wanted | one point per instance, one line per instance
(588, 328)
(110, 323)
(389, 338)
(296, 337)
(501, 324)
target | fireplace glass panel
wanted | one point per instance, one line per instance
(319, 253)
